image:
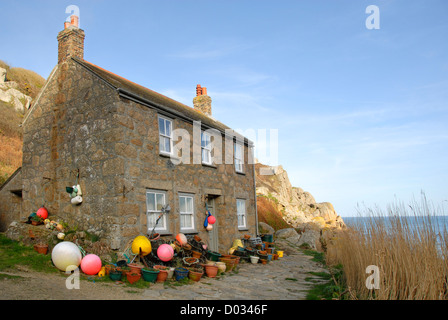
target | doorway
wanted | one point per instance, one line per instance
(213, 234)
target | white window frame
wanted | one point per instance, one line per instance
(206, 148)
(153, 213)
(238, 157)
(241, 213)
(188, 212)
(163, 135)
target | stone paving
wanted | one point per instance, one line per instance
(287, 278)
(282, 279)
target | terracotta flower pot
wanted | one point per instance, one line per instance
(163, 273)
(135, 268)
(42, 248)
(133, 277)
(195, 275)
(211, 270)
(196, 254)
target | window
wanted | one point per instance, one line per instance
(206, 146)
(165, 135)
(155, 200)
(241, 213)
(239, 157)
(186, 210)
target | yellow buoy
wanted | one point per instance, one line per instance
(143, 243)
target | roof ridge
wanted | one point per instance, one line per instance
(130, 81)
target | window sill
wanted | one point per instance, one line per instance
(160, 232)
(243, 229)
(241, 173)
(189, 231)
(209, 165)
(169, 155)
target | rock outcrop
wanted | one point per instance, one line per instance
(309, 219)
(9, 94)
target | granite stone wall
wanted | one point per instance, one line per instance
(81, 126)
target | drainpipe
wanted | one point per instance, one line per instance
(255, 193)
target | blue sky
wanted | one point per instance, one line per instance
(361, 114)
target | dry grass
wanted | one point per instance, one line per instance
(268, 213)
(10, 142)
(29, 82)
(403, 244)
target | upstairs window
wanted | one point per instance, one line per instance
(206, 146)
(165, 135)
(238, 157)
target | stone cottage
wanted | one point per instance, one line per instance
(136, 154)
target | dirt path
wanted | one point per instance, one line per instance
(284, 279)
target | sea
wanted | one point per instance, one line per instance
(438, 223)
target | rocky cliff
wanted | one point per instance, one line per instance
(306, 219)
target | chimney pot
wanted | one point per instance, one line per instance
(198, 90)
(204, 91)
(74, 21)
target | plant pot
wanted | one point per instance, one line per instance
(108, 268)
(213, 256)
(36, 223)
(42, 248)
(196, 254)
(197, 238)
(180, 273)
(170, 274)
(254, 259)
(189, 261)
(133, 277)
(163, 273)
(267, 237)
(230, 263)
(135, 268)
(195, 275)
(221, 266)
(211, 270)
(263, 261)
(115, 275)
(150, 275)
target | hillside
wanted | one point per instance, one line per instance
(277, 198)
(18, 87)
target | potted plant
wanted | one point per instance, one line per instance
(42, 248)
(211, 270)
(195, 274)
(36, 220)
(150, 274)
(133, 277)
(115, 274)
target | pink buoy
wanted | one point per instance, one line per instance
(42, 213)
(91, 264)
(211, 219)
(165, 252)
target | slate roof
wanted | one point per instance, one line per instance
(154, 99)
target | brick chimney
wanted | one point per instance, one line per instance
(71, 40)
(202, 102)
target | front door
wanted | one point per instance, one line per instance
(213, 234)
